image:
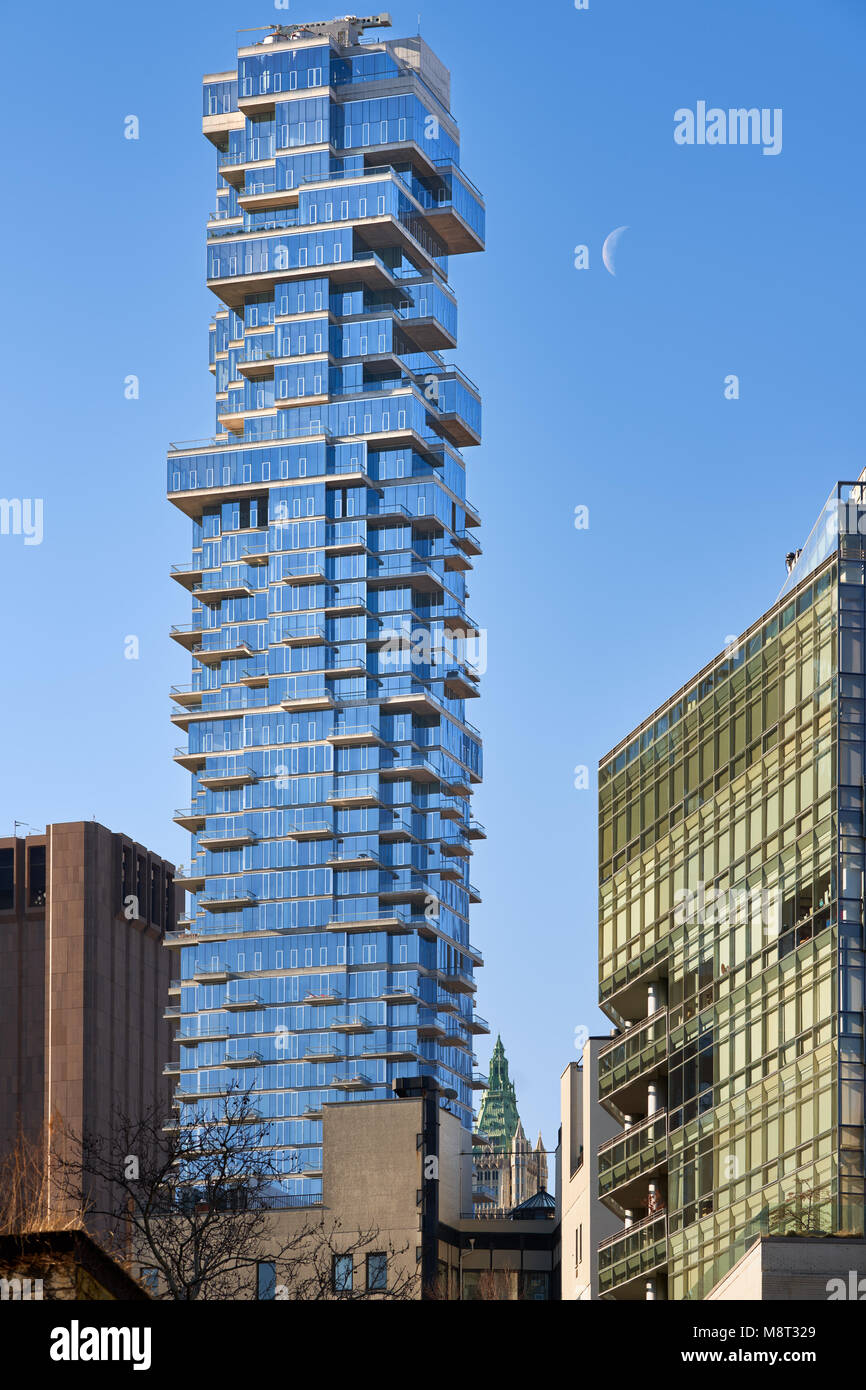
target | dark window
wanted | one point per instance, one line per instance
(266, 1280)
(125, 884)
(36, 876)
(342, 1274)
(154, 894)
(377, 1273)
(7, 879)
(168, 918)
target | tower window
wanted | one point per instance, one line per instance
(7, 880)
(36, 876)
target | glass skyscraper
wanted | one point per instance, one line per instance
(731, 940)
(327, 948)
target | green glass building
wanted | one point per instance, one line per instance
(731, 940)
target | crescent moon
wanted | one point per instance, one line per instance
(608, 250)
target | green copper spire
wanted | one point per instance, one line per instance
(498, 1117)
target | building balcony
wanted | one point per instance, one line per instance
(230, 902)
(190, 818)
(358, 859)
(205, 976)
(623, 993)
(455, 980)
(410, 765)
(352, 1025)
(304, 632)
(400, 994)
(628, 1163)
(312, 830)
(477, 1024)
(236, 1003)
(468, 543)
(480, 1081)
(213, 656)
(455, 845)
(305, 574)
(346, 667)
(231, 777)
(369, 920)
(321, 699)
(366, 267)
(192, 882)
(249, 1059)
(359, 1082)
(188, 576)
(460, 684)
(254, 679)
(323, 1053)
(345, 735)
(187, 696)
(385, 1053)
(213, 591)
(351, 798)
(328, 996)
(187, 635)
(629, 1062)
(475, 830)
(627, 1259)
(192, 762)
(227, 839)
(474, 894)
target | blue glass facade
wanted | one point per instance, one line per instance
(326, 949)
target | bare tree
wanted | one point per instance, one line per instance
(807, 1212)
(196, 1205)
(311, 1272)
(25, 1189)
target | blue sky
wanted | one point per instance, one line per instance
(599, 391)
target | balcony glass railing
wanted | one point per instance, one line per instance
(631, 1253)
(626, 1058)
(638, 1150)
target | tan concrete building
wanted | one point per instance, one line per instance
(378, 1176)
(83, 980)
(586, 1127)
(796, 1269)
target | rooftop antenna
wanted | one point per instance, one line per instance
(25, 825)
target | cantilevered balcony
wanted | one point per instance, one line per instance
(188, 696)
(192, 762)
(214, 588)
(313, 700)
(216, 654)
(355, 859)
(628, 1259)
(191, 818)
(369, 919)
(188, 635)
(187, 575)
(347, 798)
(231, 901)
(346, 735)
(630, 1063)
(630, 1161)
(303, 630)
(311, 829)
(241, 776)
(477, 1024)
(227, 839)
(357, 1082)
